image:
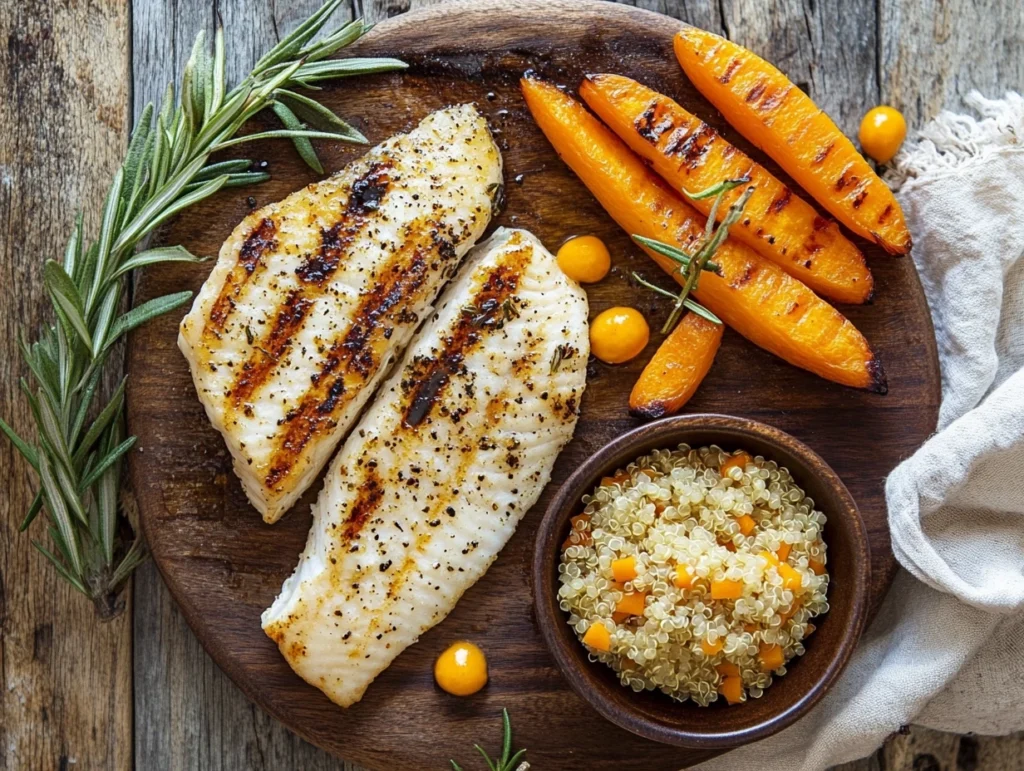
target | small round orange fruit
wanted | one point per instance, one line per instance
(461, 669)
(618, 334)
(584, 259)
(882, 132)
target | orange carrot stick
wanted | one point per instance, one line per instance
(753, 296)
(763, 105)
(690, 155)
(677, 368)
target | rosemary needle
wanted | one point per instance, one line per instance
(507, 761)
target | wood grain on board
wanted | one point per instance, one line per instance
(65, 678)
(224, 566)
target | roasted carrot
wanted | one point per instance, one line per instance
(690, 155)
(682, 360)
(763, 105)
(753, 296)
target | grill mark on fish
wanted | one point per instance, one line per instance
(886, 212)
(367, 193)
(259, 241)
(820, 223)
(256, 370)
(368, 499)
(426, 378)
(354, 354)
(859, 199)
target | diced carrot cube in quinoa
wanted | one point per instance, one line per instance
(771, 657)
(818, 568)
(712, 648)
(772, 559)
(624, 569)
(732, 689)
(618, 618)
(792, 578)
(726, 590)
(618, 479)
(809, 630)
(783, 551)
(727, 669)
(747, 524)
(632, 604)
(597, 637)
(683, 578)
(581, 532)
(740, 461)
(788, 614)
(750, 628)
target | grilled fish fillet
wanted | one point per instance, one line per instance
(433, 481)
(313, 297)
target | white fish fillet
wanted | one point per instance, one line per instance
(433, 481)
(314, 296)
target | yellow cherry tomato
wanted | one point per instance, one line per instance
(882, 132)
(584, 259)
(461, 669)
(618, 334)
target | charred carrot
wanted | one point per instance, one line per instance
(753, 296)
(677, 368)
(763, 105)
(690, 155)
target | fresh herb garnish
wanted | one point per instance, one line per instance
(692, 265)
(166, 169)
(507, 761)
(509, 310)
(562, 352)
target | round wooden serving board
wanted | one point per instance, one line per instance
(224, 566)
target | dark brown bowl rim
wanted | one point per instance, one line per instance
(666, 433)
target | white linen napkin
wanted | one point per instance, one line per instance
(947, 648)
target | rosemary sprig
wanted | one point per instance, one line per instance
(692, 265)
(507, 761)
(166, 169)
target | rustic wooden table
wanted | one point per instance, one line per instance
(139, 690)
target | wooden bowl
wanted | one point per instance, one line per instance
(652, 714)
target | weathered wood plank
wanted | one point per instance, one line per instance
(65, 678)
(934, 52)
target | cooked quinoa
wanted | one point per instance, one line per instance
(696, 572)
